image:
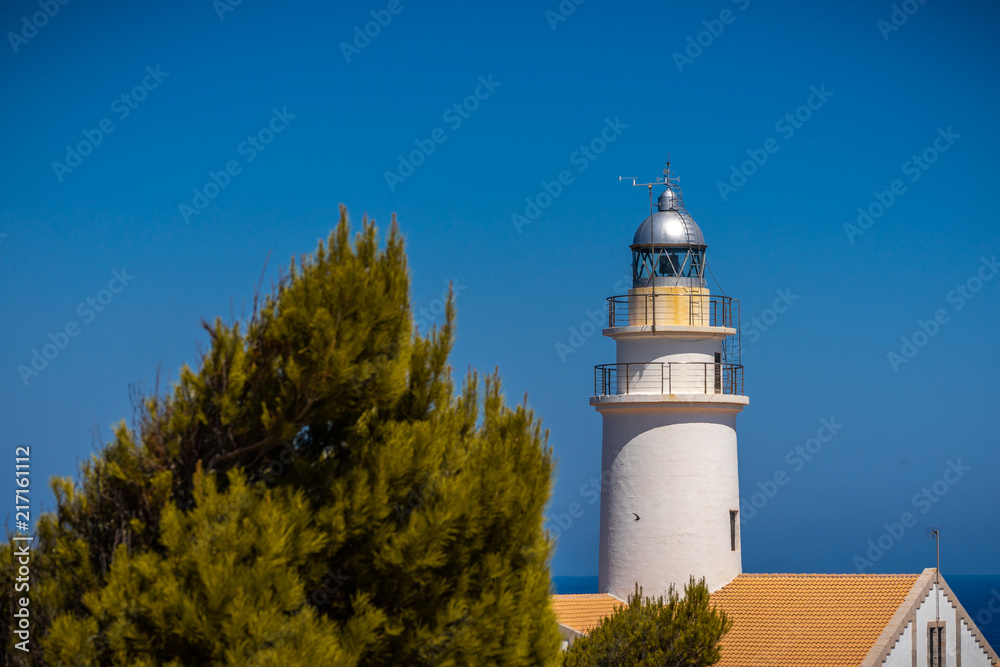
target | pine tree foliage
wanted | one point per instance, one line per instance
(316, 491)
(645, 632)
(226, 590)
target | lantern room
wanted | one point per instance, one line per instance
(668, 249)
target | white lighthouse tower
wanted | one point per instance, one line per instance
(670, 497)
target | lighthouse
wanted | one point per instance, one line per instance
(670, 485)
(670, 488)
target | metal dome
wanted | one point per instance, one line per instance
(670, 228)
(672, 224)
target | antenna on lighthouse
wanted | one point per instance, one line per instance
(671, 182)
(936, 534)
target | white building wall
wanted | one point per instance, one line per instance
(901, 654)
(661, 348)
(926, 613)
(692, 365)
(676, 468)
(972, 654)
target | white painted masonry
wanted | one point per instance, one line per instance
(900, 655)
(674, 465)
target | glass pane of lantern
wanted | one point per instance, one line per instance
(696, 260)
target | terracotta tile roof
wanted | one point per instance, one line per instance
(583, 612)
(786, 620)
(783, 620)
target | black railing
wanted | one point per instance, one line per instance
(677, 377)
(691, 309)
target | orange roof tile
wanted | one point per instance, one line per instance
(782, 620)
(583, 612)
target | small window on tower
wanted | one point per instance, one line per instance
(732, 529)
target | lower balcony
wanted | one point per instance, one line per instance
(675, 377)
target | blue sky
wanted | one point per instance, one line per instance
(304, 123)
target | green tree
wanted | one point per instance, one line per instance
(676, 632)
(225, 589)
(316, 491)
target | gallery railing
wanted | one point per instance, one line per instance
(656, 377)
(685, 309)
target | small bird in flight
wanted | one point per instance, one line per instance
(636, 516)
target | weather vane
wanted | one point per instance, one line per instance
(666, 179)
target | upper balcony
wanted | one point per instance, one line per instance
(643, 310)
